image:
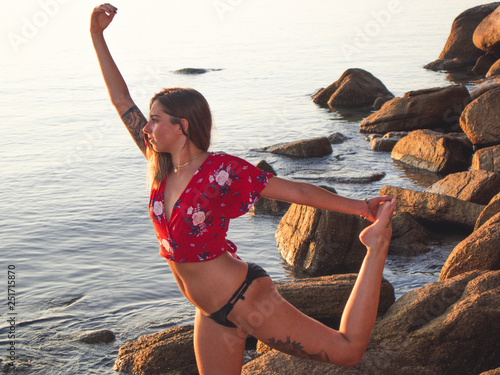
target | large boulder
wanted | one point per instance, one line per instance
(480, 120)
(448, 327)
(435, 209)
(266, 205)
(165, 352)
(484, 64)
(487, 159)
(356, 88)
(459, 52)
(409, 237)
(473, 186)
(487, 33)
(489, 211)
(432, 151)
(422, 109)
(479, 251)
(324, 298)
(307, 148)
(320, 242)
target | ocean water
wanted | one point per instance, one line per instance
(74, 228)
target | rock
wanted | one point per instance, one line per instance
(487, 159)
(435, 209)
(357, 179)
(383, 144)
(459, 52)
(489, 211)
(409, 237)
(485, 86)
(337, 138)
(449, 327)
(265, 205)
(479, 251)
(480, 120)
(309, 148)
(320, 242)
(97, 337)
(421, 109)
(324, 298)
(483, 64)
(159, 353)
(494, 70)
(472, 186)
(194, 71)
(356, 88)
(432, 151)
(491, 372)
(487, 33)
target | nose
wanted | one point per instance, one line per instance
(147, 128)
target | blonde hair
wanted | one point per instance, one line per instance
(180, 103)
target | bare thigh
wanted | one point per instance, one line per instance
(219, 350)
(267, 316)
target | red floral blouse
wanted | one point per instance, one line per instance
(223, 188)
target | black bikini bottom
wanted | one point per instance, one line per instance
(220, 316)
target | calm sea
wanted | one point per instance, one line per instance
(74, 228)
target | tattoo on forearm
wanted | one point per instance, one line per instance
(296, 349)
(134, 120)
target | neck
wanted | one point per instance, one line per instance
(185, 157)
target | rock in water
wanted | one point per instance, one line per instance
(432, 151)
(459, 52)
(356, 88)
(422, 109)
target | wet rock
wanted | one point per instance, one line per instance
(494, 70)
(487, 159)
(165, 352)
(324, 298)
(459, 52)
(383, 144)
(480, 120)
(449, 327)
(265, 205)
(356, 180)
(315, 147)
(97, 337)
(320, 242)
(409, 237)
(421, 109)
(356, 88)
(337, 138)
(435, 209)
(487, 34)
(485, 86)
(473, 186)
(479, 251)
(432, 151)
(484, 64)
(489, 211)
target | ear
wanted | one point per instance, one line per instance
(184, 126)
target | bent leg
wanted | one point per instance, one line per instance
(219, 349)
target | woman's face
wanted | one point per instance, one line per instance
(161, 132)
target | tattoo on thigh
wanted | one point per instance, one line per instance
(134, 120)
(295, 348)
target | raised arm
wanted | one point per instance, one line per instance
(314, 196)
(132, 117)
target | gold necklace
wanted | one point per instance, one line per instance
(176, 169)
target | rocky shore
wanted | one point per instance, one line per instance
(451, 326)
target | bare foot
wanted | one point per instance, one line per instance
(378, 235)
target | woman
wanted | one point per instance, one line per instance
(194, 195)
